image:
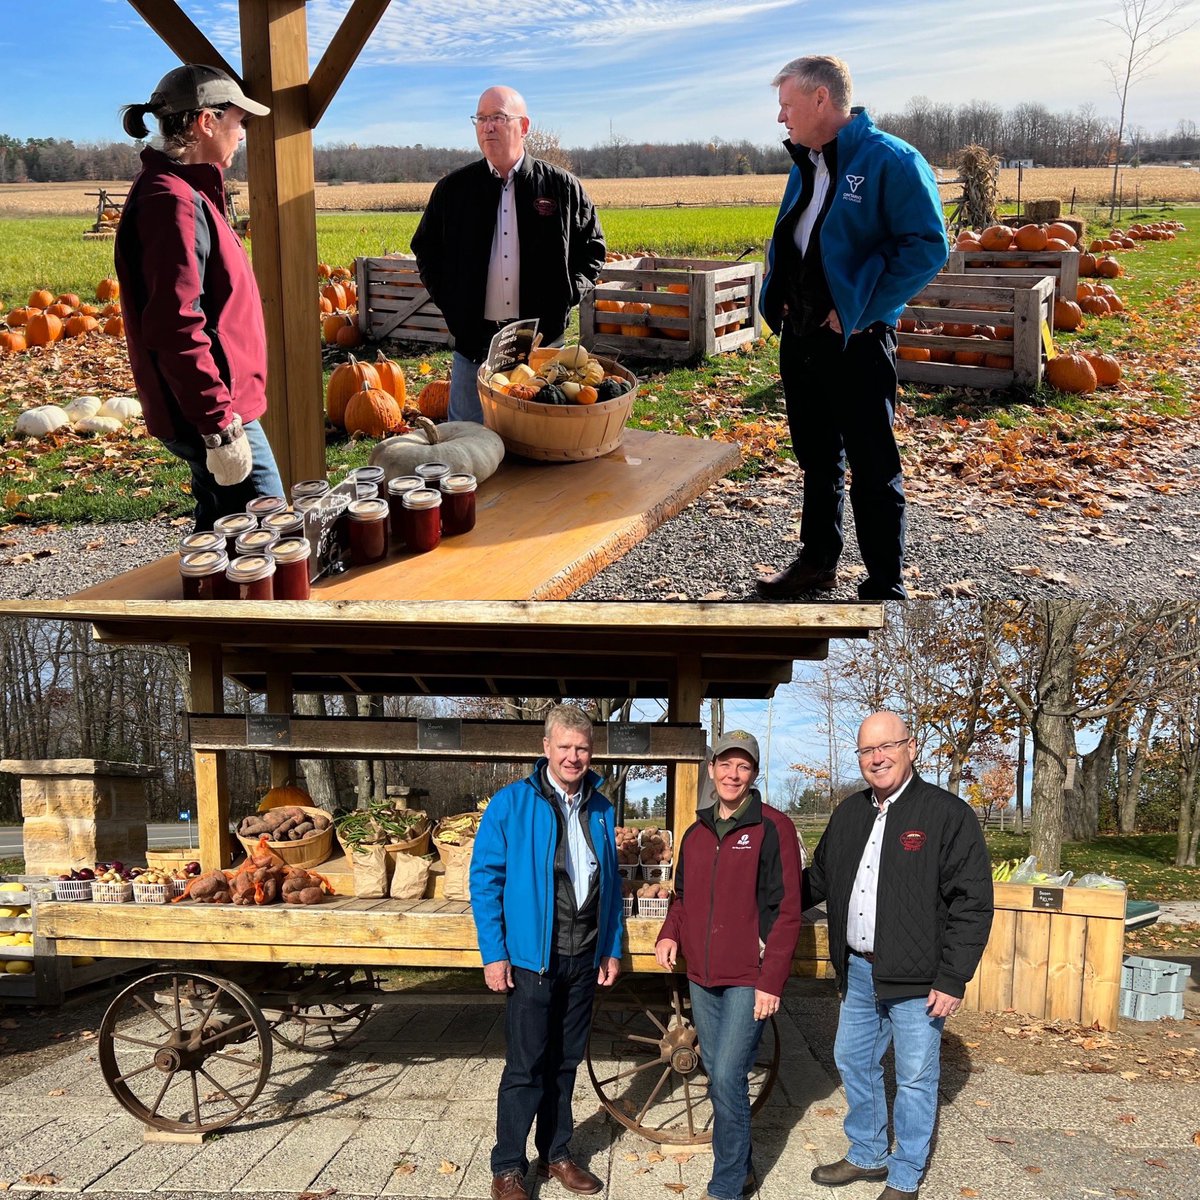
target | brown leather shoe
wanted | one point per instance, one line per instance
(509, 1185)
(571, 1175)
(844, 1171)
(796, 580)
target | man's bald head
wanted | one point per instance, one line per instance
(501, 123)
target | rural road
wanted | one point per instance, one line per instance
(157, 836)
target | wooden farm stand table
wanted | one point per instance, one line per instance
(683, 653)
(543, 529)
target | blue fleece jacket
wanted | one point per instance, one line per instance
(884, 236)
(512, 874)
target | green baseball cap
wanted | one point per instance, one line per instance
(737, 739)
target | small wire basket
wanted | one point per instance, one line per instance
(151, 893)
(179, 886)
(111, 893)
(654, 909)
(627, 901)
(656, 872)
(72, 889)
(628, 870)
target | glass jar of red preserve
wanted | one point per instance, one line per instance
(373, 476)
(432, 473)
(395, 494)
(458, 503)
(368, 531)
(291, 569)
(255, 541)
(252, 577)
(209, 539)
(422, 519)
(285, 524)
(261, 507)
(202, 573)
(232, 527)
(308, 489)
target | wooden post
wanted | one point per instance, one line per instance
(279, 700)
(212, 783)
(683, 779)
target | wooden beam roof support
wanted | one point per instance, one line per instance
(340, 55)
(175, 28)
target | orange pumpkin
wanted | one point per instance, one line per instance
(79, 325)
(108, 289)
(996, 237)
(342, 273)
(331, 324)
(88, 310)
(635, 307)
(1095, 306)
(1087, 266)
(43, 329)
(348, 336)
(608, 306)
(111, 310)
(12, 341)
(18, 317)
(347, 378)
(373, 412)
(115, 326)
(669, 310)
(1063, 232)
(1058, 245)
(60, 310)
(971, 358)
(1001, 362)
(586, 395)
(68, 298)
(1030, 237)
(1108, 267)
(913, 353)
(335, 294)
(326, 305)
(281, 797)
(1108, 370)
(957, 330)
(41, 298)
(434, 399)
(1067, 314)
(323, 271)
(1071, 373)
(391, 378)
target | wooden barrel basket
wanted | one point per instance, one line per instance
(554, 432)
(307, 852)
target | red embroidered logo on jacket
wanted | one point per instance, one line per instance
(912, 839)
(545, 206)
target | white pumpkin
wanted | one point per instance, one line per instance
(98, 424)
(124, 408)
(83, 406)
(463, 445)
(41, 421)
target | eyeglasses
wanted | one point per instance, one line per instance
(883, 748)
(486, 119)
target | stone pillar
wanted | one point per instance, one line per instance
(81, 811)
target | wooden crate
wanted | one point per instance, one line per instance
(693, 333)
(1022, 302)
(1063, 265)
(1058, 963)
(393, 303)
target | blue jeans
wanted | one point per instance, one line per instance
(729, 1037)
(213, 500)
(546, 1023)
(464, 390)
(866, 1026)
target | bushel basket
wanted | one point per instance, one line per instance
(307, 852)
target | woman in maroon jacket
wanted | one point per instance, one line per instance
(193, 316)
(736, 919)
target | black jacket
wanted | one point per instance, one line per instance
(934, 904)
(562, 248)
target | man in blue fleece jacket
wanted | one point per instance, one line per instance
(546, 898)
(859, 233)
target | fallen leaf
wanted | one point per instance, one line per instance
(1126, 1191)
(1127, 1119)
(446, 1167)
(1158, 1162)
(682, 1158)
(677, 1188)
(1033, 1170)
(966, 1191)
(57, 1092)
(329, 1191)
(405, 1167)
(1196, 1138)
(1000, 1141)
(41, 1180)
(826, 1112)
(655, 1157)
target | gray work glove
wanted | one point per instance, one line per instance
(228, 455)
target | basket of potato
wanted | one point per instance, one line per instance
(655, 854)
(653, 900)
(153, 886)
(299, 834)
(627, 852)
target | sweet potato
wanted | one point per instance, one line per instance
(210, 888)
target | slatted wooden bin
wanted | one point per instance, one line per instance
(714, 310)
(393, 303)
(1062, 265)
(1022, 303)
(1053, 953)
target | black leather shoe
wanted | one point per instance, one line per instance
(844, 1171)
(796, 580)
(891, 1193)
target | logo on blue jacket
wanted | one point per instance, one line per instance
(852, 195)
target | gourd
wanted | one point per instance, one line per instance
(83, 406)
(124, 408)
(373, 412)
(1071, 373)
(98, 424)
(347, 378)
(41, 421)
(462, 445)
(434, 399)
(391, 378)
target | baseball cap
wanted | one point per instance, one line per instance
(193, 86)
(737, 739)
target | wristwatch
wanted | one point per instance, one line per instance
(226, 437)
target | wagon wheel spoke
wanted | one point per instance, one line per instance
(688, 1102)
(646, 1066)
(325, 1023)
(162, 1091)
(153, 1011)
(654, 1094)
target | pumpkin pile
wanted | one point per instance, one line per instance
(367, 398)
(1031, 237)
(567, 376)
(84, 414)
(338, 302)
(47, 318)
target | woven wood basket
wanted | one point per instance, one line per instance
(308, 852)
(172, 858)
(558, 433)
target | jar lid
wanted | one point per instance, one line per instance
(249, 568)
(302, 504)
(234, 524)
(461, 481)
(208, 539)
(203, 562)
(368, 510)
(262, 506)
(291, 550)
(310, 487)
(421, 498)
(432, 470)
(281, 522)
(255, 541)
(404, 483)
(367, 474)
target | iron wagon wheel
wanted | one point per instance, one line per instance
(647, 1065)
(185, 1051)
(312, 1018)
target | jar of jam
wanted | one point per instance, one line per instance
(432, 473)
(309, 489)
(262, 507)
(285, 524)
(458, 503)
(365, 491)
(202, 573)
(252, 577)
(255, 541)
(232, 527)
(208, 540)
(368, 475)
(395, 494)
(368, 531)
(291, 569)
(422, 519)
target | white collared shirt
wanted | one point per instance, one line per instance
(502, 299)
(808, 218)
(860, 921)
(581, 862)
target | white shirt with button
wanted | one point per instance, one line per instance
(502, 299)
(581, 862)
(860, 922)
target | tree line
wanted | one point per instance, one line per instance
(1027, 131)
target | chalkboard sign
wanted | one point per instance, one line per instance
(512, 345)
(268, 731)
(1051, 898)
(631, 738)
(327, 533)
(439, 733)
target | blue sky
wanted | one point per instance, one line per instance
(657, 70)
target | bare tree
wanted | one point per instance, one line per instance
(545, 144)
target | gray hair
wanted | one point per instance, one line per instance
(568, 716)
(820, 70)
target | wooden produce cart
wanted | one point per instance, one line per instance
(188, 1048)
